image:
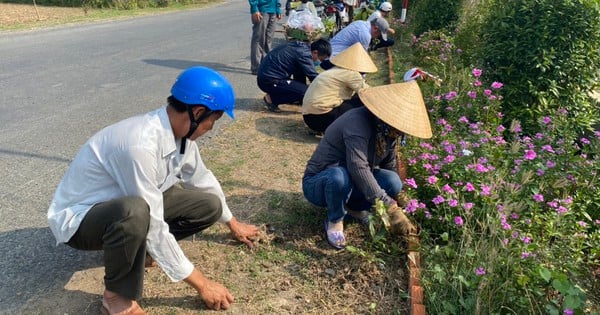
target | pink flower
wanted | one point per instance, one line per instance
(487, 92)
(453, 202)
(432, 179)
(496, 85)
(412, 206)
(477, 83)
(458, 221)
(568, 311)
(526, 239)
(582, 224)
(477, 72)
(464, 119)
(469, 187)
(529, 155)
(500, 129)
(411, 182)
(480, 271)
(525, 255)
(584, 141)
(468, 205)
(538, 197)
(447, 189)
(485, 190)
(472, 94)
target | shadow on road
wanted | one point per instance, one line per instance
(184, 64)
(32, 267)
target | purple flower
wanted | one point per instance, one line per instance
(485, 190)
(597, 134)
(472, 94)
(529, 155)
(469, 187)
(547, 148)
(437, 200)
(487, 92)
(458, 221)
(412, 206)
(550, 164)
(453, 202)
(546, 120)
(538, 197)
(450, 95)
(526, 239)
(447, 189)
(432, 179)
(525, 255)
(582, 224)
(496, 85)
(477, 72)
(585, 141)
(480, 271)
(568, 311)
(562, 210)
(468, 205)
(464, 119)
(477, 83)
(500, 129)
(411, 182)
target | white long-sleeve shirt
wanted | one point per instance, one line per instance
(139, 157)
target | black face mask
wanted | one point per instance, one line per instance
(194, 123)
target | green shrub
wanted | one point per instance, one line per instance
(547, 52)
(434, 15)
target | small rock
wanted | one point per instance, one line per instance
(330, 272)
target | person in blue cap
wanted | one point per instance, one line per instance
(138, 186)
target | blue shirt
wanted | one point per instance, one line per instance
(265, 6)
(357, 31)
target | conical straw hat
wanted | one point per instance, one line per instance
(354, 58)
(399, 105)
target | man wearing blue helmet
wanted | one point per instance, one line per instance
(138, 186)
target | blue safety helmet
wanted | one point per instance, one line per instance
(204, 86)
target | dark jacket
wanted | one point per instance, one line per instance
(349, 142)
(285, 60)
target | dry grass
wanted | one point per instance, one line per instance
(260, 160)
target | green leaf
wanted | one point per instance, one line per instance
(545, 273)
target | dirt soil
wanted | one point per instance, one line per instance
(259, 160)
(22, 14)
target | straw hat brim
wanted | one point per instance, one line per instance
(354, 58)
(399, 105)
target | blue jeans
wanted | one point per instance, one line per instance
(332, 188)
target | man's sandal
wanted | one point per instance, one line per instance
(335, 238)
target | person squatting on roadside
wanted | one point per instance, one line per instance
(138, 186)
(383, 12)
(334, 91)
(263, 14)
(354, 165)
(283, 72)
(357, 32)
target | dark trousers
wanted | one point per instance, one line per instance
(321, 122)
(380, 43)
(119, 227)
(287, 91)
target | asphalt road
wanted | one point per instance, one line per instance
(59, 86)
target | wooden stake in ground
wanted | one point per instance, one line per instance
(36, 10)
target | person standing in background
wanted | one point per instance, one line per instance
(264, 13)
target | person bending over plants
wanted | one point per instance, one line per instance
(354, 165)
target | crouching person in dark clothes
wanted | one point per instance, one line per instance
(283, 72)
(355, 163)
(138, 186)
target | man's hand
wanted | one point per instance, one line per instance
(256, 17)
(278, 16)
(214, 295)
(243, 232)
